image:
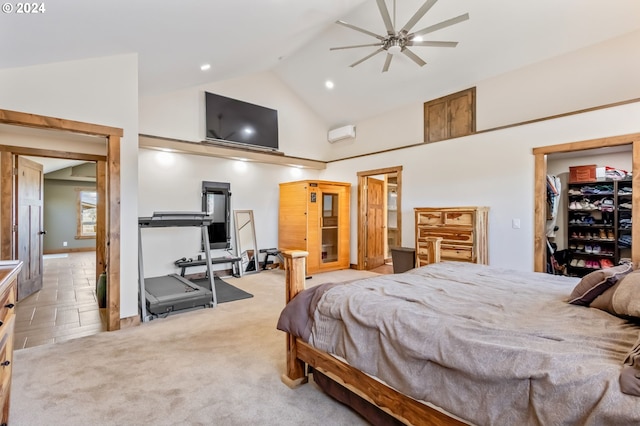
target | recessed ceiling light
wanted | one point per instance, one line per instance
(328, 84)
(205, 67)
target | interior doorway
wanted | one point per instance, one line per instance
(57, 223)
(540, 191)
(108, 181)
(379, 216)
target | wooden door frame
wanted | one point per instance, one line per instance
(540, 190)
(107, 185)
(362, 208)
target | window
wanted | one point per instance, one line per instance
(87, 208)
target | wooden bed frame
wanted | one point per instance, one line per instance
(301, 354)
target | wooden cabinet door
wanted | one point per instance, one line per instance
(460, 115)
(450, 116)
(436, 121)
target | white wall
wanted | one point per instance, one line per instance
(494, 169)
(101, 91)
(172, 182)
(181, 115)
(597, 75)
(18, 136)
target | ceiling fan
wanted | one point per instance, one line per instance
(395, 42)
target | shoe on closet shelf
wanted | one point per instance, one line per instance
(588, 249)
(584, 205)
(574, 262)
(596, 249)
(623, 191)
(606, 263)
(602, 234)
(581, 263)
(610, 235)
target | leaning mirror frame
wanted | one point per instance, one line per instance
(246, 246)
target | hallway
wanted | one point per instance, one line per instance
(66, 307)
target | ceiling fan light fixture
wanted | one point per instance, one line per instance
(395, 46)
(394, 49)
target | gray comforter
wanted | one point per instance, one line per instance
(492, 346)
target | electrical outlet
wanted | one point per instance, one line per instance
(64, 244)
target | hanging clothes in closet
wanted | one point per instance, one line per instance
(554, 190)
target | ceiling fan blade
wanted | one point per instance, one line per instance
(385, 17)
(366, 57)
(357, 45)
(415, 58)
(387, 62)
(417, 16)
(433, 43)
(362, 30)
(441, 25)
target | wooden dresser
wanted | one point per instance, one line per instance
(8, 275)
(463, 231)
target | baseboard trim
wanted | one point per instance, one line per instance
(129, 322)
(69, 250)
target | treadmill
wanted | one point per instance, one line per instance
(170, 293)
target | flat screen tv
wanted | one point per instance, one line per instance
(235, 122)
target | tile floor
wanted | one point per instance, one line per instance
(66, 307)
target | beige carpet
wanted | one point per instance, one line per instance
(217, 366)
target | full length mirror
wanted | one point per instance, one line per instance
(246, 245)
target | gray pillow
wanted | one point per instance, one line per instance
(604, 302)
(626, 298)
(597, 282)
(621, 299)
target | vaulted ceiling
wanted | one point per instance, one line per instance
(292, 38)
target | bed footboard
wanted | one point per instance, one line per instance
(299, 354)
(294, 262)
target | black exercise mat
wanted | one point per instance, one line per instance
(224, 291)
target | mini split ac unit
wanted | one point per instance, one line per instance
(344, 132)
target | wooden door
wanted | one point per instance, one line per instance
(30, 192)
(375, 223)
